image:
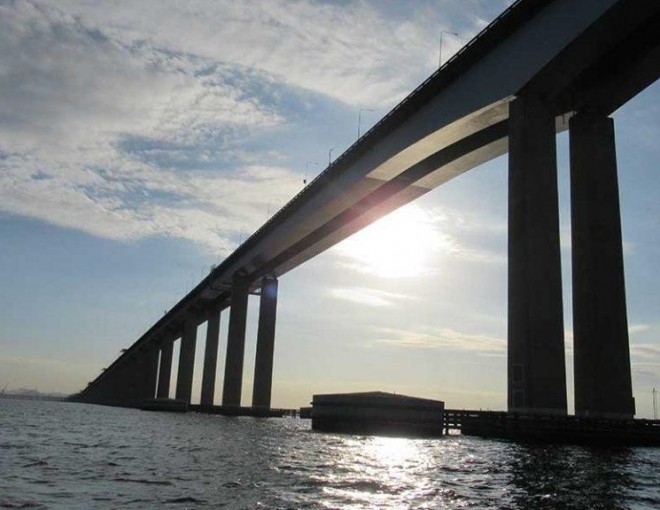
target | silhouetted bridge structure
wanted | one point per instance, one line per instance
(541, 67)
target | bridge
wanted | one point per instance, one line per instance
(541, 67)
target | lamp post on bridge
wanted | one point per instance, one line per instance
(307, 169)
(442, 32)
(360, 118)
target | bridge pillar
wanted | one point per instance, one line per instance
(603, 385)
(536, 370)
(165, 370)
(129, 382)
(116, 386)
(148, 371)
(210, 358)
(110, 393)
(231, 392)
(263, 366)
(122, 384)
(187, 360)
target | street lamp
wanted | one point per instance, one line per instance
(360, 118)
(442, 32)
(307, 169)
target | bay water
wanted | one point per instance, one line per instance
(60, 455)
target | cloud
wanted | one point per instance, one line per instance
(369, 297)
(472, 236)
(66, 83)
(646, 352)
(442, 339)
(129, 120)
(112, 140)
(205, 210)
(350, 51)
(633, 329)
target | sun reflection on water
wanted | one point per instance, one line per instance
(391, 452)
(377, 472)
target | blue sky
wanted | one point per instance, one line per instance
(141, 142)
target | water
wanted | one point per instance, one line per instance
(75, 456)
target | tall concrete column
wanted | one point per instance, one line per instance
(603, 385)
(210, 358)
(165, 370)
(231, 392)
(130, 378)
(187, 360)
(119, 385)
(536, 370)
(112, 393)
(148, 371)
(263, 366)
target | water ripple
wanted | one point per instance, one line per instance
(62, 456)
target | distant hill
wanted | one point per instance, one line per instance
(31, 394)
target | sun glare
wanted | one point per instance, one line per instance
(398, 245)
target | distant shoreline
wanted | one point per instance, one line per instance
(54, 398)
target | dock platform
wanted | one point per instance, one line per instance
(557, 428)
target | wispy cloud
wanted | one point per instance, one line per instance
(646, 352)
(471, 236)
(442, 339)
(369, 297)
(348, 51)
(112, 140)
(141, 119)
(634, 329)
(207, 210)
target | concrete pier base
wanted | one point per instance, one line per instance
(233, 383)
(263, 366)
(603, 386)
(536, 370)
(186, 360)
(210, 359)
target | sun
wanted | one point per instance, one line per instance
(398, 245)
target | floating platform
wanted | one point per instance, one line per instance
(378, 413)
(561, 429)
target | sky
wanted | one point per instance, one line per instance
(141, 142)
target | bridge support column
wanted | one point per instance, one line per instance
(536, 370)
(263, 366)
(187, 360)
(231, 392)
(118, 385)
(165, 370)
(603, 385)
(130, 379)
(210, 359)
(148, 371)
(111, 391)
